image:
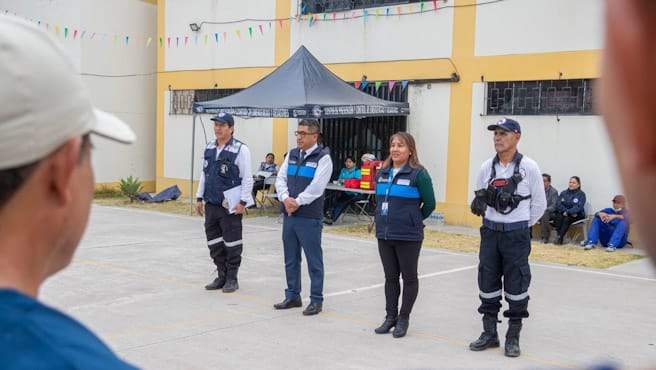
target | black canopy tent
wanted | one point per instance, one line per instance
(301, 87)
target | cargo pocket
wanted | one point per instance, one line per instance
(525, 272)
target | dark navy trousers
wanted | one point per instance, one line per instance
(303, 233)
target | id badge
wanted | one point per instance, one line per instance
(383, 208)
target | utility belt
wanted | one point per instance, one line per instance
(501, 226)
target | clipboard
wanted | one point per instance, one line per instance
(233, 196)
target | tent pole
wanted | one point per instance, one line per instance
(191, 178)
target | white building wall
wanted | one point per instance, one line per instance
(577, 145)
(538, 26)
(131, 97)
(418, 36)
(257, 133)
(257, 51)
(429, 124)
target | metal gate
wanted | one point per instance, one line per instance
(353, 137)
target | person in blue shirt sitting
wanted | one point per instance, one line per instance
(610, 226)
(344, 198)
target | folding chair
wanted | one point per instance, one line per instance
(268, 193)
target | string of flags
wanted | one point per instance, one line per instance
(253, 30)
(362, 85)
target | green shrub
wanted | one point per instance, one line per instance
(106, 192)
(130, 187)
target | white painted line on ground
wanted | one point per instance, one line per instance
(362, 289)
(622, 276)
(373, 242)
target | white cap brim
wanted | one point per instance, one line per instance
(111, 127)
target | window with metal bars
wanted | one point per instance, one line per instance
(328, 6)
(353, 137)
(546, 97)
(182, 101)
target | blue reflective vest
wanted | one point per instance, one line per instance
(300, 175)
(221, 173)
(402, 220)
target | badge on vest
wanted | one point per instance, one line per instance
(223, 167)
(576, 200)
(205, 164)
(404, 182)
(384, 207)
(312, 164)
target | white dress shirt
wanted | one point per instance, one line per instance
(316, 188)
(530, 209)
(243, 162)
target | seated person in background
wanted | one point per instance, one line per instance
(367, 157)
(570, 208)
(267, 168)
(552, 201)
(610, 226)
(345, 197)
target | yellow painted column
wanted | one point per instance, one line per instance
(455, 208)
(282, 53)
(160, 88)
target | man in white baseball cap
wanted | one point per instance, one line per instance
(46, 188)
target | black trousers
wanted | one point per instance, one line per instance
(224, 239)
(504, 254)
(562, 223)
(400, 258)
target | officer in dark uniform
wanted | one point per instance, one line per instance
(511, 198)
(226, 168)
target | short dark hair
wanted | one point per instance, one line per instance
(348, 157)
(547, 176)
(578, 180)
(11, 179)
(270, 154)
(311, 124)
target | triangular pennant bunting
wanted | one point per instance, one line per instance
(356, 84)
(377, 85)
(390, 85)
(404, 84)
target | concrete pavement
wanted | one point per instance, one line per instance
(138, 277)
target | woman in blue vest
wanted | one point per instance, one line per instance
(404, 198)
(570, 208)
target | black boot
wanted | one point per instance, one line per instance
(489, 337)
(387, 325)
(231, 280)
(512, 338)
(218, 283)
(230, 286)
(401, 327)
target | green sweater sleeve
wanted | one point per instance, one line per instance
(425, 186)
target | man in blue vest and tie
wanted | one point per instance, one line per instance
(226, 170)
(301, 184)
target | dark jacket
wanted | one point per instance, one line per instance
(299, 176)
(572, 202)
(552, 199)
(409, 199)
